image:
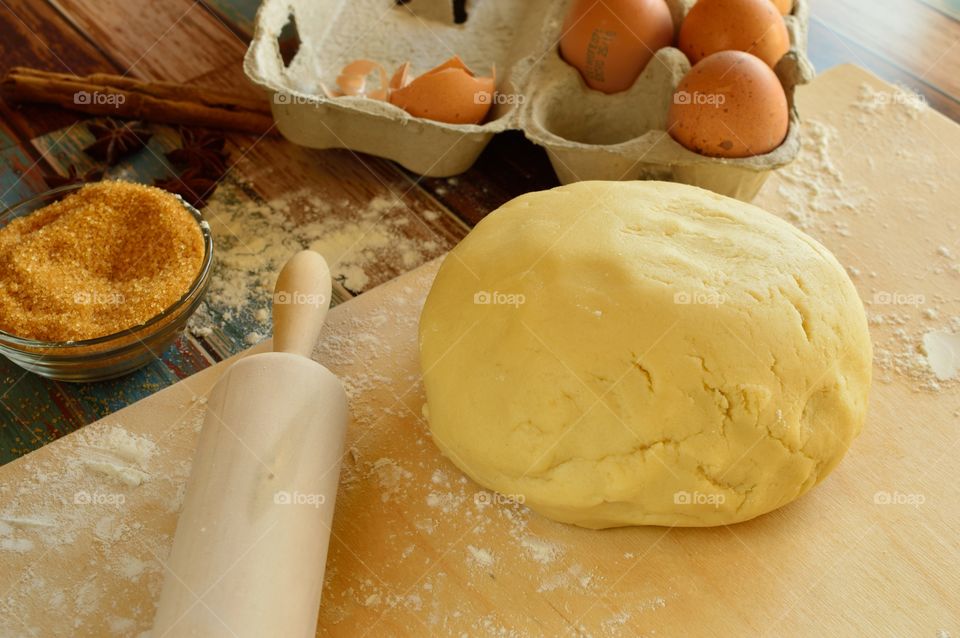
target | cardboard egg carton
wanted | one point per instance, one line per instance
(587, 134)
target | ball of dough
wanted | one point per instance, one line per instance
(643, 353)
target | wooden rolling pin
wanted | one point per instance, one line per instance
(251, 543)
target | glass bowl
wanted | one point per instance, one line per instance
(115, 354)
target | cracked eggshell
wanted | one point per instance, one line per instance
(448, 93)
(353, 79)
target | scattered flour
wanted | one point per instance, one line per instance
(391, 477)
(121, 456)
(79, 499)
(540, 550)
(254, 238)
(131, 567)
(124, 474)
(440, 478)
(942, 350)
(929, 358)
(574, 577)
(820, 200)
(121, 626)
(816, 196)
(19, 545)
(480, 557)
(447, 502)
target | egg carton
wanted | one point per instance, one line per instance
(587, 134)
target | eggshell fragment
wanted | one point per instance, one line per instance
(448, 93)
(611, 42)
(753, 26)
(730, 104)
(353, 79)
(400, 79)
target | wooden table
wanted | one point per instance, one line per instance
(910, 42)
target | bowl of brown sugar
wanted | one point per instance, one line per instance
(97, 280)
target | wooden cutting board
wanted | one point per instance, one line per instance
(418, 550)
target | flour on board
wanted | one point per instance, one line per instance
(818, 199)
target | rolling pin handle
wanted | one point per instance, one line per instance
(300, 302)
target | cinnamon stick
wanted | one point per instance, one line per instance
(162, 102)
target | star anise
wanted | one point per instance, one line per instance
(201, 150)
(56, 180)
(116, 139)
(192, 185)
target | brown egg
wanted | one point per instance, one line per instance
(754, 26)
(449, 93)
(610, 42)
(783, 6)
(730, 104)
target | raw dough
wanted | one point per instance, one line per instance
(643, 353)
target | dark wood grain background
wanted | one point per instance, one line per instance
(913, 43)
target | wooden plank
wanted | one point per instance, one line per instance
(510, 166)
(20, 172)
(64, 148)
(238, 14)
(34, 34)
(35, 411)
(231, 78)
(7, 137)
(29, 418)
(912, 35)
(21, 176)
(363, 190)
(176, 40)
(828, 48)
(97, 400)
(949, 8)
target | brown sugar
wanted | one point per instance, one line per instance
(107, 258)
